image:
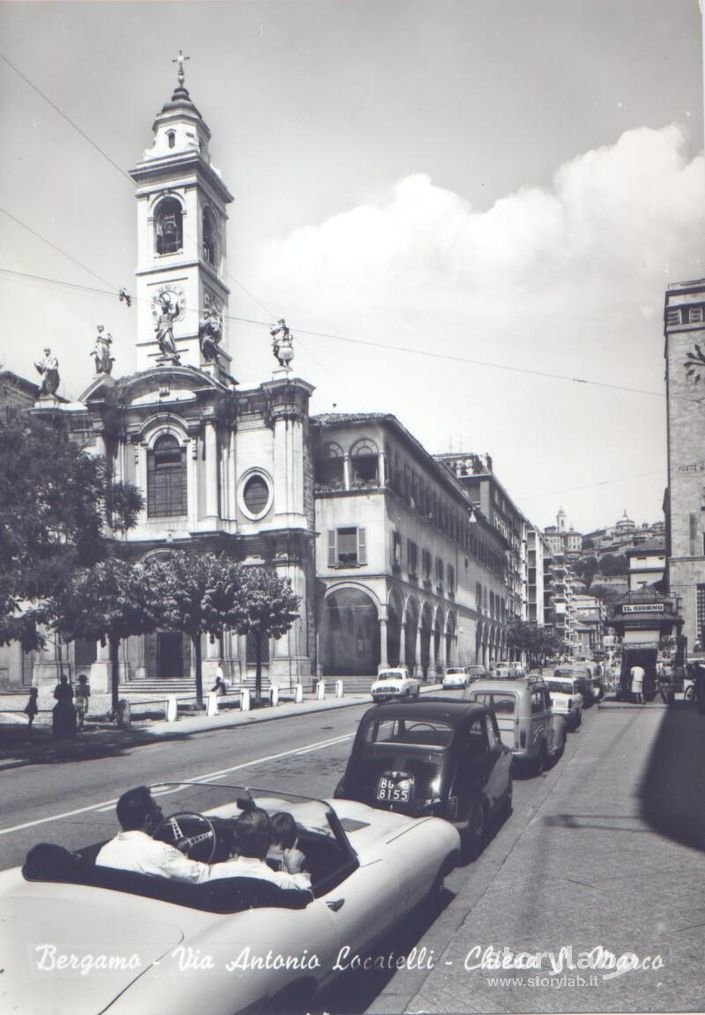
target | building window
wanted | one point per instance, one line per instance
(210, 237)
(330, 471)
(439, 574)
(364, 464)
(256, 495)
(347, 547)
(396, 551)
(451, 580)
(701, 613)
(171, 138)
(166, 478)
(168, 226)
(412, 558)
(426, 565)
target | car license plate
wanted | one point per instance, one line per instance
(394, 788)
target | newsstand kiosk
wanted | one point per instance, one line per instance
(641, 621)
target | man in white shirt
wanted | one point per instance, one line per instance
(637, 674)
(253, 839)
(134, 849)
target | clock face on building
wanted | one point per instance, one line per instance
(168, 302)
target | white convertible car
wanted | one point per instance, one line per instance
(84, 939)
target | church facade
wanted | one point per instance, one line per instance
(380, 540)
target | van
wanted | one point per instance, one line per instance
(527, 724)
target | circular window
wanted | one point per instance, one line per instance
(256, 495)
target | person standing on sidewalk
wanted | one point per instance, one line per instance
(83, 694)
(637, 675)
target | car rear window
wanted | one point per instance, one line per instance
(411, 733)
(452, 671)
(502, 702)
(560, 686)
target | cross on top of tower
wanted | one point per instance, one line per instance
(180, 60)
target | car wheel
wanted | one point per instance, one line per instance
(689, 694)
(579, 720)
(474, 835)
(541, 761)
(418, 692)
(509, 797)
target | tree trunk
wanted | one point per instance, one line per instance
(196, 642)
(114, 670)
(258, 665)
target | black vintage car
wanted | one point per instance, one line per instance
(438, 756)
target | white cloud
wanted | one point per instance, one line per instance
(568, 279)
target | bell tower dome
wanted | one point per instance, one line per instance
(181, 246)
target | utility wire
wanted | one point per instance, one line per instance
(65, 117)
(359, 341)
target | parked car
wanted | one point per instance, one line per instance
(516, 668)
(131, 937)
(566, 699)
(528, 726)
(582, 676)
(476, 671)
(455, 676)
(395, 682)
(442, 757)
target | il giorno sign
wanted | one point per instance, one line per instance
(643, 608)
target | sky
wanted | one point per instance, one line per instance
(468, 211)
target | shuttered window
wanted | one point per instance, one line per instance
(166, 478)
(347, 547)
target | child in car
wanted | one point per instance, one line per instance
(283, 854)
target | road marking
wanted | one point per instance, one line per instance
(106, 805)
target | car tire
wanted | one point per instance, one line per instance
(689, 693)
(579, 720)
(509, 798)
(474, 835)
(541, 761)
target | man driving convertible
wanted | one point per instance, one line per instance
(134, 849)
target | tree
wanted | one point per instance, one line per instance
(269, 608)
(108, 602)
(612, 564)
(201, 594)
(52, 500)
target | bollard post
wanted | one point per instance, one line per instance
(273, 696)
(321, 690)
(245, 700)
(170, 708)
(212, 704)
(298, 693)
(339, 688)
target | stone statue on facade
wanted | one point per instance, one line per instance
(282, 343)
(101, 353)
(49, 369)
(169, 310)
(210, 334)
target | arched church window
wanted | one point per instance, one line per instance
(210, 237)
(364, 463)
(166, 478)
(168, 226)
(330, 473)
(171, 138)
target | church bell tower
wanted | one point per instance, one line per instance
(182, 299)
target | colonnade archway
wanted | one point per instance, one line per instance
(349, 633)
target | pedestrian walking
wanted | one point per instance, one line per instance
(83, 694)
(637, 675)
(31, 708)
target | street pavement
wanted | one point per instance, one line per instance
(581, 867)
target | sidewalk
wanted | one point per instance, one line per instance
(21, 746)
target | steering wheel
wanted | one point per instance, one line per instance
(420, 726)
(192, 833)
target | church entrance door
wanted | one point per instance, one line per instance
(170, 654)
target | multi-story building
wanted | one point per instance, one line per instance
(475, 472)
(408, 572)
(684, 504)
(562, 539)
(538, 552)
